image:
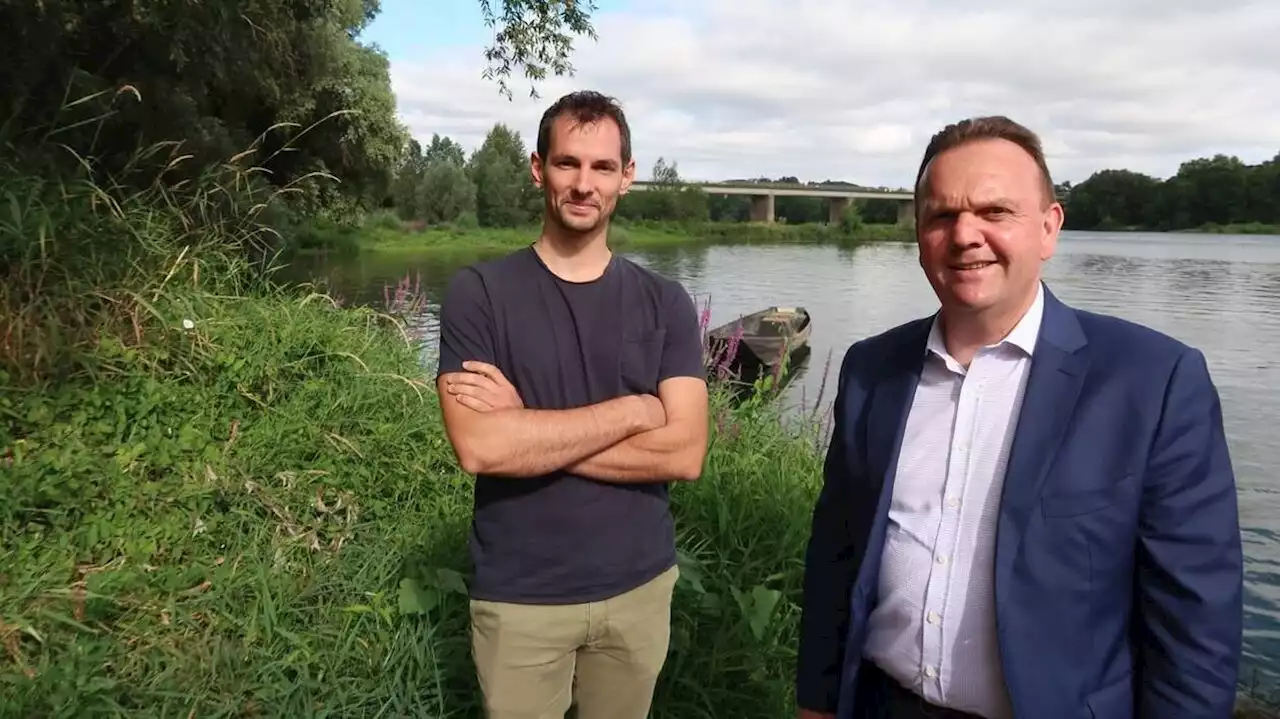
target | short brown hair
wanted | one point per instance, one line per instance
(584, 106)
(994, 127)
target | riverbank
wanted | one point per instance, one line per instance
(1248, 228)
(266, 500)
(386, 234)
(261, 495)
(226, 497)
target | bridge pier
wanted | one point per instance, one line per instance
(762, 208)
(907, 213)
(836, 207)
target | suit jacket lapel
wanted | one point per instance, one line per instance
(1057, 372)
(890, 402)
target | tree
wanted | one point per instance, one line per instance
(505, 193)
(444, 149)
(1205, 192)
(535, 35)
(665, 175)
(445, 194)
(205, 81)
(1114, 199)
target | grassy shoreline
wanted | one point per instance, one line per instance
(226, 497)
(231, 498)
(261, 512)
(384, 234)
(1250, 228)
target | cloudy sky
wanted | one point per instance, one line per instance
(852, 89)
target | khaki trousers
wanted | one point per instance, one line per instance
(534, 661)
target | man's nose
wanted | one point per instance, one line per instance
(966, 231)
(582, 182)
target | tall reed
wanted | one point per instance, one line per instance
(228, 496)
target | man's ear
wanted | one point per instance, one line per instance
(535, 168)
(628, 175)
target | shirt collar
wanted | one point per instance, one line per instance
(1023, 335)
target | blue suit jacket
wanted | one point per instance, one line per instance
(1118, 562)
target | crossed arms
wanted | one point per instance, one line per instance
(631, 439)
(634, 438)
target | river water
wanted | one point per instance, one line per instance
(1220, 293)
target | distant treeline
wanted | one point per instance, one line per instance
(440, 184)
(178, 88)
(490, 188)
(1206, 192)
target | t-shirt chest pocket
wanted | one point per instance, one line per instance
(640, 360)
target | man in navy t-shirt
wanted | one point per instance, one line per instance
(572, 385)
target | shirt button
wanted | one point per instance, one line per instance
(930, 672)
(941, 559)
(933, 618)
(953, 502)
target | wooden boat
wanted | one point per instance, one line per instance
(764, 341)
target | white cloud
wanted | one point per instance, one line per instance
(853, 89)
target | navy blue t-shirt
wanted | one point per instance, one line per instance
(563, 538)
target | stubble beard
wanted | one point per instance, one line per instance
(577, 225)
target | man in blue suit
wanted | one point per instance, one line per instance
(1028, 510)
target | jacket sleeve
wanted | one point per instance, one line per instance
(1189, 565)
(830, 565)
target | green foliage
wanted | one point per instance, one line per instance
(1212, 194)
(668, 199)
(446, 194)
(497, 176)
(228, 497)
(463, 237)
(216, 76)
(222, 493)
(492, 188)
(851, 219)
(535, 35)
(505, 193)
(666, 176)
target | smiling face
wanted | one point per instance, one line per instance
(984, 228)
(583, 174)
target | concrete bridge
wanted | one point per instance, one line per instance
(762, 196)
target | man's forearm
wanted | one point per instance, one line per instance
(670, 453)
(531, 442)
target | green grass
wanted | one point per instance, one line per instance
(263, 511)
(228, 498)
(225, 497)
(384, 233)
(1240, 228)
(496, 238)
